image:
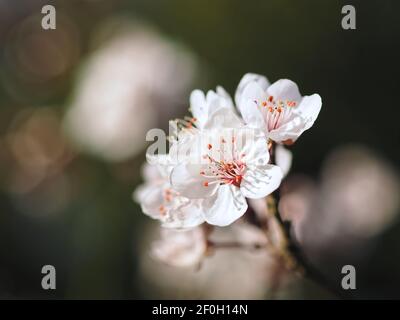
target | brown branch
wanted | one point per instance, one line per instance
(234, 245)
(291, 252)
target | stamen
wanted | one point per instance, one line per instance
(279, 111)
(229, 168)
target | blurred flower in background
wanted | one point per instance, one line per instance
(356, 199)
(180, 248)
(36, 63)
(230, 273)
(36, 153)
(135, 78)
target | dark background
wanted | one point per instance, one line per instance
(95, 239)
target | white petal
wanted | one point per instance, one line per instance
(309, 109)
(260, 181)
(289, 131)
(186, 216)
(223, 118)
(158, 165)
(199, 107)
(253, 92)
(187, 180)
(284, 89)
(151, 199)
(226, 98)
(283, 158)
(246, 79)
(252, 115)
(225, 206)
(255, 149)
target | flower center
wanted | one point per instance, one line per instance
(229, 168)
(278, 111)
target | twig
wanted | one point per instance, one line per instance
(291, 251)
(235, 245)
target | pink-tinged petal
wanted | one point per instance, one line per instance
(262, 82)
(260, 181)
(189, 182)
(225, 206)
(284, 89)
(309, 109)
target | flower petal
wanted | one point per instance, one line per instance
(198, 106)
(309, 109)
(188, 215)
(262, 82)
(225, 206)
(260, 181)
(187, 180)
(223, 118)
(226, 100)
(252, 115)
(253, 92)
(290, 130)
(284, 89)
(151, 199)
(254, 150)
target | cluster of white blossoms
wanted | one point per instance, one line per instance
(225, 154)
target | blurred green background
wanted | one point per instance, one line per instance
(66, 177)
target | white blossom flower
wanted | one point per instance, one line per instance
(227, 162)
(180, 248)
(160, 201)
(202, 106)
(279, 109)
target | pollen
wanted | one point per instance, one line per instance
(279, 111)
(227, 168)
(162, 210)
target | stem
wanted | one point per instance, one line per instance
(290, 250)
(235, 245)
